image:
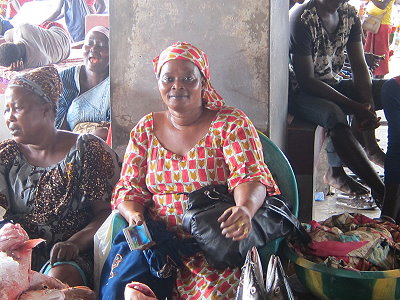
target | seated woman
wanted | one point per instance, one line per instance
(85, 101)
(391, 107)
(56, 184)
(196, 142)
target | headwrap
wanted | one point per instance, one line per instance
(186, 51)
(102, 29)
(44, 82)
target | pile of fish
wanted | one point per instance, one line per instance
(19, 282)
(253, 286)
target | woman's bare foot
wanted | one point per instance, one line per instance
(337, 178)
(376, 156)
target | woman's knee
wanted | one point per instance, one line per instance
(68, 274)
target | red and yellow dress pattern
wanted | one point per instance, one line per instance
(230, 153)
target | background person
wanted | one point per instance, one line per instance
(321, 31)
(84, 105)
(196, 142)
(391, 107)
(32, 46)
(378, 43)
(74, 12)
(55, 183)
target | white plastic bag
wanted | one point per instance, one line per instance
(102, 244)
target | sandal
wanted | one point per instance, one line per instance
(356, 202)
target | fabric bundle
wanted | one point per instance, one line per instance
(353, 242)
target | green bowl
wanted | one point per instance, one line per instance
(336, 284)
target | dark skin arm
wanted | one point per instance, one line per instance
(304, 69)
(82, 240)
(249, 197)
(361, 77)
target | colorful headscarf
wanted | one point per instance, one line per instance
(44, 82)
(186, 51)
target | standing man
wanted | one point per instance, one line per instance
(321, 31)
(75, 12)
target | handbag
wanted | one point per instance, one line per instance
(252, 284)
(372, 23)
(273, 220)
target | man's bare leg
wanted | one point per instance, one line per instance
(353, 156)
(337, 178)
(374, 152)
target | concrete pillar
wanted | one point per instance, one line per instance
(4, 133)
(246, 42)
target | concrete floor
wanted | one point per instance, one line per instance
(328, 207)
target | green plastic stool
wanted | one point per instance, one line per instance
(282, 172)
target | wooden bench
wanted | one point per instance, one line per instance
(303, 146)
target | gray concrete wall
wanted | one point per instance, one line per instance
(236, 35)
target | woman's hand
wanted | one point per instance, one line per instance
(236, 222)
(17, 65)
(132, 212)
(373, 60)
(63, 251)
(134, 217)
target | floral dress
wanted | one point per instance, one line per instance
(230, 153)
(54, 203)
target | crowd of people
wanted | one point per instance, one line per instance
(60, 180)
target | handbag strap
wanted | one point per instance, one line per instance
(279, 207)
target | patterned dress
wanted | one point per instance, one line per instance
(309, 37)
(54, 203)
(230, 153)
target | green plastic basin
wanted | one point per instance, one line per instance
(336, 284)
